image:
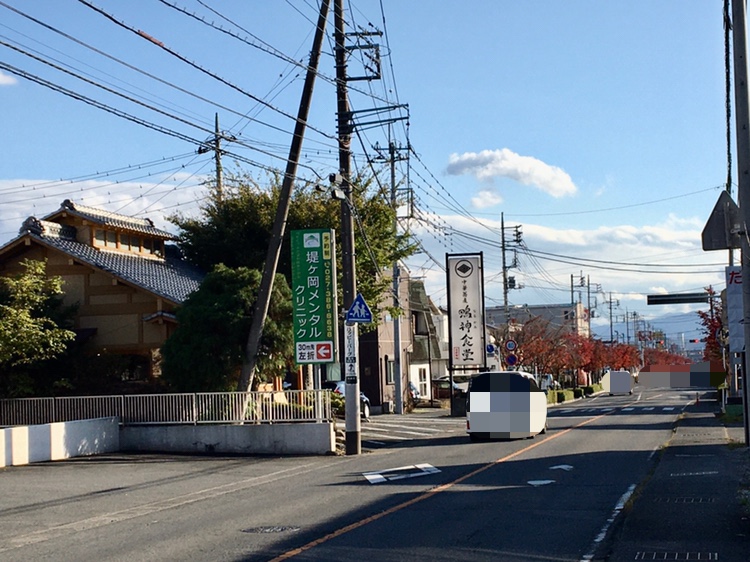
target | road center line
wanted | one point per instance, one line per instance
(425, 495)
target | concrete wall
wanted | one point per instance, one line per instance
(250, 439)
(55, 441)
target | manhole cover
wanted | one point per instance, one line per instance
(274, 529)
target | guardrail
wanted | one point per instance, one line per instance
(195, 408)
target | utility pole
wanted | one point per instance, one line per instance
(217, 157)
(353, 444)
(216, 148)
(392, 158)
(509, 282)
(398, 379)
(742, 113)
(260, 309)
(505, 271)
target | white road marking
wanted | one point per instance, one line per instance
(603, 533)
(397, 427)
(400, 473)
(386, 429)
(537, 483)
(565, 467)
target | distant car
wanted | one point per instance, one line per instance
(547, 382)
(339, 387)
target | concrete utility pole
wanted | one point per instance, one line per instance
(742, 116)
(260, 310)
(353, 444)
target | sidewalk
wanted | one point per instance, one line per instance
(690, 507)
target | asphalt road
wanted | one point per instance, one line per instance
(548, 498)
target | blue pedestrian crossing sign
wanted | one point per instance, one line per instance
(359, 312)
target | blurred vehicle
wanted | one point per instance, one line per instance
(441, 388)
(414, 393)
(339, 387)
(505, 405)
(547, 382)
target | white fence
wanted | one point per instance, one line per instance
(197, 408)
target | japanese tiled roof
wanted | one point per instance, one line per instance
(108, 218)
(171, 278)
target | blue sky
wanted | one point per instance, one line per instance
(597, 127)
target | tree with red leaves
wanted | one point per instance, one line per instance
(712, 327)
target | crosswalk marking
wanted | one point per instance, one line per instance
(575, 412)
(398, 427)
(385, 430)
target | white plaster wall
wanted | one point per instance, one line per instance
(277, 439)
(55, 441)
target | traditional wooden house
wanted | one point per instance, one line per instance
(120, 271)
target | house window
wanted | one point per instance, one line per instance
(389, 365)
(423, 381)
(133, 243)
(148, 245)
(111, 239)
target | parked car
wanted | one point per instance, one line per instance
(339, 387)
(441, 389)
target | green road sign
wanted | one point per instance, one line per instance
(314, 295)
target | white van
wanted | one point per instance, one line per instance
(505, 405)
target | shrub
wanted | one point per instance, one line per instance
(588, 390)
(338, 405)
(564, 395)
(578, 392)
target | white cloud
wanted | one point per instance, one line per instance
(7, 80)
(489, 164)
(486, 198)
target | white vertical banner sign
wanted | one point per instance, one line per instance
(466, 310)
(351, 377)
(734, 309)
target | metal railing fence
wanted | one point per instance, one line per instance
(193, 408)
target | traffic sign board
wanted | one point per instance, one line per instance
(511, 345)
(511, 360)
(359, 312)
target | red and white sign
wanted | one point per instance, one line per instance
(324, 351)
